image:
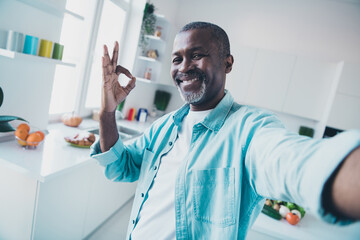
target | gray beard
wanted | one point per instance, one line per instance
(191, 98)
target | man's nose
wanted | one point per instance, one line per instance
(185, 65)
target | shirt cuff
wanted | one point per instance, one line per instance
(109, 156)
(334, 151)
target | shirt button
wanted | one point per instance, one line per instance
(170, 143)
(155, 167)
(142, 195)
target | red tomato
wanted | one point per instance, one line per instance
(293, 219)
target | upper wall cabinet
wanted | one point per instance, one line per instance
(310, 88)
(270, 79)
(282, 82)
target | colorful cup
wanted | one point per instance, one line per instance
(30, 45)
(45, 48)
(58, 51)
(14, 41)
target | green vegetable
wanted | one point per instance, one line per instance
(271, 212)
(302, 211)
(290, 206)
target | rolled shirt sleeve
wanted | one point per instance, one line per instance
(283, 165)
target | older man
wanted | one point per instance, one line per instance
(203, 171)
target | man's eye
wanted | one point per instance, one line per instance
(197, 56)
(176, 60)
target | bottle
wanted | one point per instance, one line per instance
(148, 74)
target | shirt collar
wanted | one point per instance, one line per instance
(215, 119)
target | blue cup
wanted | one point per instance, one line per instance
(30, 46)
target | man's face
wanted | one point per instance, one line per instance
(197, 69)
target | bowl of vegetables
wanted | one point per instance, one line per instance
(278, 210)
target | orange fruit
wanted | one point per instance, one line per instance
(41, 134)
(24, 126)
(33, 139)
(21, 133)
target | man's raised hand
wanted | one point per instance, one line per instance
(112, 92)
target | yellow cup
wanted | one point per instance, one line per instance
(45, 48)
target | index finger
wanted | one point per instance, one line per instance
(120, 69)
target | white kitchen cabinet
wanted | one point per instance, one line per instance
(270, 79)
(143, 62)
(310, 87)
(61, 206)
(69, 206)
(350, 80)
(104, 198)
(17, 198)
(345, 113)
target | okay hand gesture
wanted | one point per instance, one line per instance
(112, 92)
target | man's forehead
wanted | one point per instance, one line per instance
(193, 39)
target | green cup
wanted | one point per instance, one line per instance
(58, 51)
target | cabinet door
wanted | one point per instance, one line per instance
(17, 198)
(270, 78)
(61, 206)
(310, 87)
(104, 199)
(238, 80)
(345, 112)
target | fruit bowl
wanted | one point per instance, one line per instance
(27, 139)
(27, 144)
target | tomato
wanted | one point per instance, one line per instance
(293, 219)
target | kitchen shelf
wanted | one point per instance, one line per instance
(151, 82)
(33, 58)
(47, 7)
(148, 59)
(154, 38)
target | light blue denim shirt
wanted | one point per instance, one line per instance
(238, 156)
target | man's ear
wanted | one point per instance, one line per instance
(229, 61)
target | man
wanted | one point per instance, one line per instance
(204, 170)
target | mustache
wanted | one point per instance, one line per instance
(190, 74)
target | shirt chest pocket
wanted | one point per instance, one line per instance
(213, 194)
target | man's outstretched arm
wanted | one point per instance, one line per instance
(342, 191)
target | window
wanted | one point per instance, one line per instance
(104, 22)
(111, 28)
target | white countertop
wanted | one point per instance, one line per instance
(308, 228)
(53, 156)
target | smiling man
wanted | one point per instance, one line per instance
(204, 170)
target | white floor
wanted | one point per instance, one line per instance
(116, 227)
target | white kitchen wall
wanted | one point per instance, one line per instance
(323, 29)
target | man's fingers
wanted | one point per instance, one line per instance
(106, 55)
(120, 69)
(130, 85)
(115, 54)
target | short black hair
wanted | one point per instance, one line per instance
(219, 34)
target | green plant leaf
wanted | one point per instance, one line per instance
(10, 118)
(6, 127)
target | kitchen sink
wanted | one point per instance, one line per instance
(125, 133)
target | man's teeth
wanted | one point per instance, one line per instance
(187, 82)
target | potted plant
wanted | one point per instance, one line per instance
(148, 26)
